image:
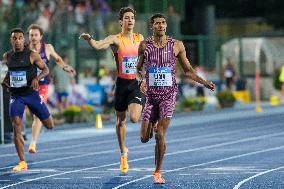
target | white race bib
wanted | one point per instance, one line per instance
(160, 76)
(129, 65)
(39, 72)
(18, 79)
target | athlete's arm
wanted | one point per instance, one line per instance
(59, 60)
(140, 61)
(187, 68)
(101, 44)
(36, 59)
(139, 66)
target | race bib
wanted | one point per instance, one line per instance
(160, 76)
(18, 79)
(129, 65)
(38, 72)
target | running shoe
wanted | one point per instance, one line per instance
(22, 166)
(124, 162)
(32, 148)
(157, 178)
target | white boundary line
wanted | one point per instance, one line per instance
(169, 154)
(256, 175)
(201, 164)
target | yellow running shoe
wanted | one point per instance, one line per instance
(158, 179)
(22, 166)
(124, 162)
(32, 148)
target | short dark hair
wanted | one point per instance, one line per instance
(35, 27)
(17, 30)
(124, 10)
(157, 15)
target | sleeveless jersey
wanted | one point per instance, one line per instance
(160, 66)
(126, 56)
(21, 72)
(42, 53)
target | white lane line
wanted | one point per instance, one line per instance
(5, 180)
(92, 177)
(169, 154)
(202, 164)
(194, 174)
(256, 175)
(123, 176)
(62, 178)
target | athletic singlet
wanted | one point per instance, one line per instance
(21, 72)
(160, 65)
(127, 55)
(42, 53)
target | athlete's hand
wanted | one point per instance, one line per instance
(143, 87)
(70, 70)
(85, 36)
(34, 84)
(210, 85)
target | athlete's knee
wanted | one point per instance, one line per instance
(48, 123)
(49, 127)
(120, 123)
(134, 117)
(144, 139)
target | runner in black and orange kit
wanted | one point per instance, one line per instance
(46, 51)
(127, 94)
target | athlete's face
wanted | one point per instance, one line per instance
(159, 26)
(17, 41)
(128, 20)
(34, 36)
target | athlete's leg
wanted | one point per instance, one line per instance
(134, 112)
(16, 111)
(18, 138)
(161, 142)
(146, 131)
(41, 115)
(121, 135)
(36, 128)
(121, 130)
(149, 117)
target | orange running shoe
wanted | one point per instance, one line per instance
(22, 166)
(32, 148)
(124, 162)
(157, 178)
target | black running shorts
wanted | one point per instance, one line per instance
(127, 91)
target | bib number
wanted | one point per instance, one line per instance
(160, 76)
(18, 79)
(129, 65)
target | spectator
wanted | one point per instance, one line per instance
(173, 21)
(229, 74)
(62, 82)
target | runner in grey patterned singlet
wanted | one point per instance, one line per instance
(158, 54)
